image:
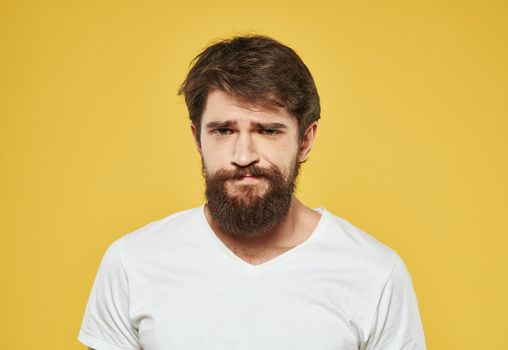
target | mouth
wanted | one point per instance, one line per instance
(248, 179)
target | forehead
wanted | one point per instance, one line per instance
(221, 106)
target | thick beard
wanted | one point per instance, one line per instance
(245, 213)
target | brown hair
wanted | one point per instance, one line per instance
(254, 69)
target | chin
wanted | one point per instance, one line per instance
(248, 194)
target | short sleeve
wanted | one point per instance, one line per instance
(106, 323)
(397, 324)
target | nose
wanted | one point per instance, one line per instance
(244, 151)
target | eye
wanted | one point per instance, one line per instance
(269, 132)
(222, 131)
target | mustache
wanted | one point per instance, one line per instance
(251, 170)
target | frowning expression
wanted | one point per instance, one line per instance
(235, 136)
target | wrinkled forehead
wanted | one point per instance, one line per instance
(223, 105)
(267, 102)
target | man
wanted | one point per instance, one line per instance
(253, 268)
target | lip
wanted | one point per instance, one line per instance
(249, 179)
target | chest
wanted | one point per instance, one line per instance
(228, 310)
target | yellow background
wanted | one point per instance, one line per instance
(412, 144)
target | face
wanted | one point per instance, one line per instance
(250, 158)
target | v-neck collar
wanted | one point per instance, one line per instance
(218, 243)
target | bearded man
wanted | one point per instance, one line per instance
(253, 268)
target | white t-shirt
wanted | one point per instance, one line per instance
(173, 284)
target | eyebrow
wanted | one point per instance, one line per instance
(218, 125)
(229, 123)
(271, 125)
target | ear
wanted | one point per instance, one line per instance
(307, 141)
(196, 137)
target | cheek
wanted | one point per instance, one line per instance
(207, 147)
(283, 159)
(284, 150)
(213, 158)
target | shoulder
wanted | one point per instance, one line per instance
(365, 270)
(167, 226)
(158, 237)
(349, 243)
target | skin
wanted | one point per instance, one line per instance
(234, 135)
